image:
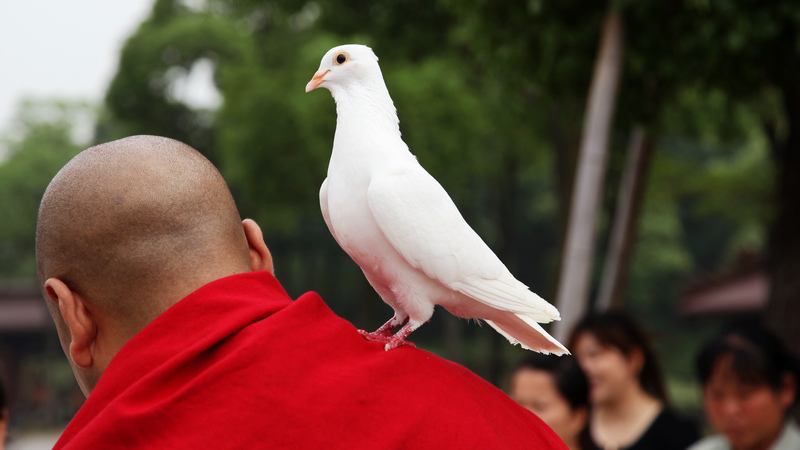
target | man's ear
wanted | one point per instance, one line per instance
(77, 318)
(260, 257)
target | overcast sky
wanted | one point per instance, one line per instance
(66, 49)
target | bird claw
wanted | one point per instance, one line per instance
(379, 337)
(394, 343)
(390, 341)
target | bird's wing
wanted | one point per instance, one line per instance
(423, 224)
(323, 206)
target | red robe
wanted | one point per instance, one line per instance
(238, 364)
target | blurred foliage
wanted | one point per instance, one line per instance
(43, 144)
(490, 97)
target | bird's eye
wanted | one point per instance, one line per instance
(341, 58)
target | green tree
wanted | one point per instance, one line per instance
(43, 144)
(164, 49)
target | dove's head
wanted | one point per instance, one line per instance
(346, 66)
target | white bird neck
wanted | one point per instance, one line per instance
(367, 111)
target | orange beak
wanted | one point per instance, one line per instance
(319, 77)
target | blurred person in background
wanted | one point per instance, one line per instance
(555, 389)
(749, 384)
(629, 405)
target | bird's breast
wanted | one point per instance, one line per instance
(352, 221)
(355, 161)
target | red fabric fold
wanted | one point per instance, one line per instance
(238, 364)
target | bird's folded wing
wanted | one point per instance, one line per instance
(423, 224)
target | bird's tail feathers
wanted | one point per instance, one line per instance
(525, 331)
(508, 294)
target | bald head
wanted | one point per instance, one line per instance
(134, 225)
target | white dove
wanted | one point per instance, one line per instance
(400, 226)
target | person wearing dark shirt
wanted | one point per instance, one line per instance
(629, 407)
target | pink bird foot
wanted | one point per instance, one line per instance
(397, 342)
(375, 336)
(384, 334)
(390, 341)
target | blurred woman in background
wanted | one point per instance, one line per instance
(555, 389)
(629, 407)
(749, 385)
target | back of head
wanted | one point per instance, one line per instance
(618, 330)
(756, 356)
(135, 224)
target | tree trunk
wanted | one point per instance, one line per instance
(783, 311)
(626, 219)
(576, 263)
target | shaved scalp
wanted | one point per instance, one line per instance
(135, 224)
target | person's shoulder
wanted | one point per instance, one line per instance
(710, 443)
(440, 375)
(459, 408)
